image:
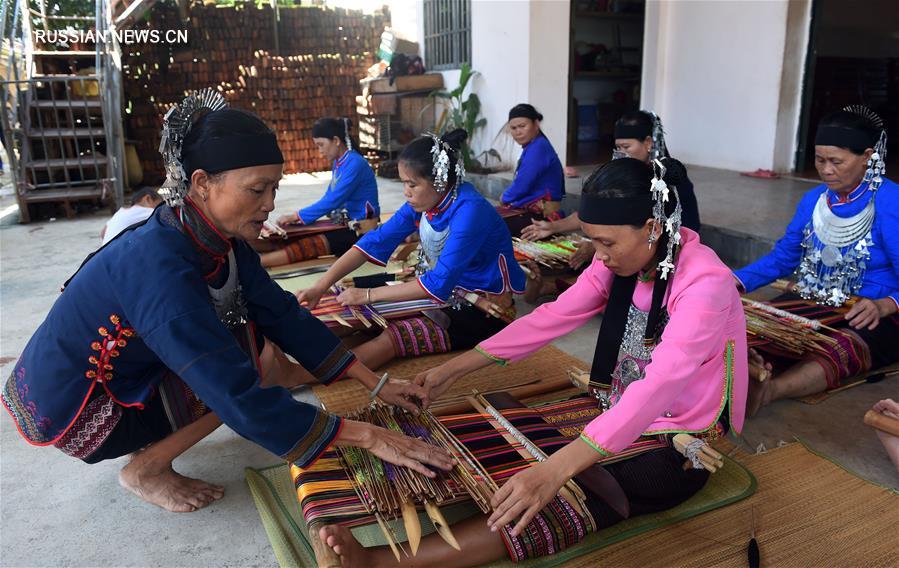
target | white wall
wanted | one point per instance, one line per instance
(713, 70)
(500, 47)
(406, 19)
(548, 76)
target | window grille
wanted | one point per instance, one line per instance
(447, 33)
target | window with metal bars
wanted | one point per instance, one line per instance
(447, 33)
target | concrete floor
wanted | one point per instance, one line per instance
(55, 510)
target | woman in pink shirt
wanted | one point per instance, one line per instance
(671, 357)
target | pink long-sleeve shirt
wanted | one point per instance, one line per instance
(699, 364)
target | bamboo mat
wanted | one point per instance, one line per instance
(808, 512)
(547, 367)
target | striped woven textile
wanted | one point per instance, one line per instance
(326, 494)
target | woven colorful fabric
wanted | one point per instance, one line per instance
(307, 248)
(326, 494)
(418, 336)
(847, 357)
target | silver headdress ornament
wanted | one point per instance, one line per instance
(440, 155)
(670, 224)
(877, 162)
(658, 137)
(346, 134)
(175, 127)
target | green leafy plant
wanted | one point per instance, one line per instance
(462, 112)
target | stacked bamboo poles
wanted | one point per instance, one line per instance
(386, 486)
(553, 253)
(794, 334)
(392, 492)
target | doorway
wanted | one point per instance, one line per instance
(853, 59)
(606, 54)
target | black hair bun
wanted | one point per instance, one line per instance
(455, 138)
(675, 171)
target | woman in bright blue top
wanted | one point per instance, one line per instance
(351, 199)
(842, 243)
(539, 183)
(466, 247)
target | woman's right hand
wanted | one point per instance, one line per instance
(312, 296)
(435, 381)
(289, 219)
(399, 449)
(537, 230)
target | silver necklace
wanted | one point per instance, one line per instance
(432, 244)
(836, 254)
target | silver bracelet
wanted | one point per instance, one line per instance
(368, 295)
(377, 389)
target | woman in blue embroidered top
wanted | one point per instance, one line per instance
(842, 243)
(539, 184)
(155, 341)
(465, 245)
(351, 198)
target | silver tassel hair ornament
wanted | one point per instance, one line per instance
(346, 134)
(877, 162)
(661, 193)
(440, 155)
(659, 150)
(175, 127)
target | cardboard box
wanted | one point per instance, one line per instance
(428, 81)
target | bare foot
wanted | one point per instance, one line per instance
(760, 394)
(536, 286)
(164, 487)
(352, 554)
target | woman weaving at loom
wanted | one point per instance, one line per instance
(466, 259)
(843, 246)
(539, 184)
(351, 200)
(639, 135)
(672, 345)
(155, 341)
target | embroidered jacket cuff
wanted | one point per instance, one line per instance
(595, 446)
(317, 440)
(491, 356)
(335, 365)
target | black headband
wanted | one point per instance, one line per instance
(637, 131)
(329, 128)
(843, 137)
(232, 153)
(525, 111)
(597, 210)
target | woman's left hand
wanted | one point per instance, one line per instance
(523, 496)
(867, 313)
(404, 394)
(353, 297)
